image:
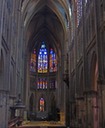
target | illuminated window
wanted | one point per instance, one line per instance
(42, 104)
(33, 61)
(52, 61)
(42, 59)
(43, 64)
(42, 83)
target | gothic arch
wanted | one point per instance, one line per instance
(37, 5)
(31, 11)
(45, 102)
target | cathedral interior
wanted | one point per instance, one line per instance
(52, 63)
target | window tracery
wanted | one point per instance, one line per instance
(42, 83)
(43, 59)
(43, 64)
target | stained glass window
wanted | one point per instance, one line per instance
(33, 61)
(42, 83)
(52, 61)
(42, 59)
(42, 104)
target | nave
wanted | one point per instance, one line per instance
(52, 63)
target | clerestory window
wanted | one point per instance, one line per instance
(46, 60)
(43, 66)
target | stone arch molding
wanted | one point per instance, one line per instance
(31, 7)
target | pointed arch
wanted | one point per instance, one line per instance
(34, 6)
(43, 59)
(42, 103)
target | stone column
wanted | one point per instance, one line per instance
(2, 2)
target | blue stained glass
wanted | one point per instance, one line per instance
(42, 59)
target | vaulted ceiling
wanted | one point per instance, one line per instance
(45, 20)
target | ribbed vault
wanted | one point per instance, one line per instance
(45, 20)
